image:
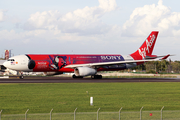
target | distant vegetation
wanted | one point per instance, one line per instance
(163, 66)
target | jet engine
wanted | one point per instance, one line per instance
(84, 71)
(31, 64)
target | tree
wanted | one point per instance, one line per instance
(175, 66)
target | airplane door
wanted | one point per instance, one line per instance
(23, 62)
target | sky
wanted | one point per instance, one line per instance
(88, 26)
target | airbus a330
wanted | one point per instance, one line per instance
(84, 65)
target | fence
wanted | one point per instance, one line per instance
(119, 115)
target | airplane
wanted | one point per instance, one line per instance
(84, 65)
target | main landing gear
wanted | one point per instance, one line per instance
(74, 76)
(96, 76)
(92, 76)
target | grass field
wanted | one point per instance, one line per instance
(65, 97)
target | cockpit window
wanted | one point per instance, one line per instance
(11, 60)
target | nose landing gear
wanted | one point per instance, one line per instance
(21, 75)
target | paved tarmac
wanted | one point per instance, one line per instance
(82, 80)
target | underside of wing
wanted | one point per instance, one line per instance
(100, 64)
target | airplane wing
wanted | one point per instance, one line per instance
(100, 64)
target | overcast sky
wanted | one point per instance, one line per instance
(88, 26)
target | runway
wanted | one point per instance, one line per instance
(84, 80)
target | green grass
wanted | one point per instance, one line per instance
(65, 97)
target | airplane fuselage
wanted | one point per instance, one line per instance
(57, 62)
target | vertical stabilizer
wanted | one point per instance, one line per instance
(147, 47)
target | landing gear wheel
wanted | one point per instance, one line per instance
(74, 76)
(96, 76)
(21, 77)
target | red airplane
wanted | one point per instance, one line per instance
(84, 65)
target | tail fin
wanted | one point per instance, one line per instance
(146, 48)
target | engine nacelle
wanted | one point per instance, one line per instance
(84, 71)
(31, 64)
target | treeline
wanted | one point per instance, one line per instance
(163, 66)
